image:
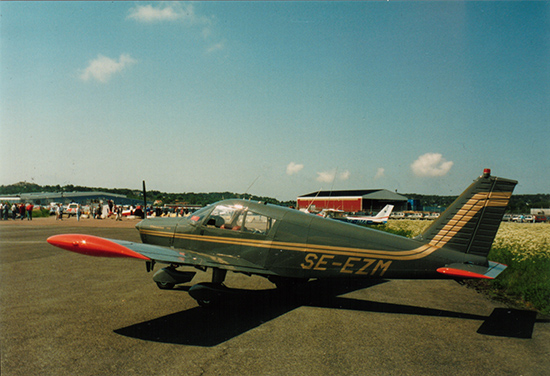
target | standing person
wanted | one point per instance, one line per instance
(14, 211)
(29, 208)
(22, 211)
(78, 212)
(59, 212)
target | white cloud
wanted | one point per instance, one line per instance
(431, 164)
(215, 47)
(166, 12)
(329, 176)
(344, 175)
(326, 177)
(379, 173)
(102, 68)
(293, 168)
(147, 13)
(181, 13)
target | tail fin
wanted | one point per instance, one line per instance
(385, 212)
(470, 224)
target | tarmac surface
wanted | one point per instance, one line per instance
(66, 314)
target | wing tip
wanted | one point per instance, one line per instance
(473, 271)
(93, 246)
(452, 272)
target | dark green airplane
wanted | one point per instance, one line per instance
(288, 246)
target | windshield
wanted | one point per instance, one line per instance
(197, 216)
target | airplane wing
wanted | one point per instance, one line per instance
(96, 246)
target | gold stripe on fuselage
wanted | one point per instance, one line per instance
(412, 254)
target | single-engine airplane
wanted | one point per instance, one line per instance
(382, 217)
(288, 246)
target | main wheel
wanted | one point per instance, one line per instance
(206, 303)
(166, 285)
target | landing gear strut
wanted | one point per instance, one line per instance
(210, 294)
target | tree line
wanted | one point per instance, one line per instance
(518, 203)
(187, 198)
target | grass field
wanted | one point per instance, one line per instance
(524, 247)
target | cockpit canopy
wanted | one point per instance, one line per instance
(234, 217)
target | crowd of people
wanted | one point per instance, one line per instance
(95, 211)
(16, 211)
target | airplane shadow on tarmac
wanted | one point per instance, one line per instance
(246, 309)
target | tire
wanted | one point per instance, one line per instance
(165, 285)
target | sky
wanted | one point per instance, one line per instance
(275, 99)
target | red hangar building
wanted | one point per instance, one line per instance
(352, 201)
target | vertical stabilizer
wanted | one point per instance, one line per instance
(385, 212)
(470, 224)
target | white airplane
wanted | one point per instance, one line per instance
(381, 217)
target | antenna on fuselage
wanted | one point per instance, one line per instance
(312, 201)
(250, 186)
(144, 201)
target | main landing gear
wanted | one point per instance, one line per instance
(167, 278)
(206, 294)
(210, 294)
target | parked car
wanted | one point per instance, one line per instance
(432, 216)
(71, 209)
(414, 216)
(53, 207)
(397, 215)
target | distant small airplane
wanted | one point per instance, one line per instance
(382, 217)
(288, 247)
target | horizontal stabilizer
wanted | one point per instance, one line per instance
(473, 271)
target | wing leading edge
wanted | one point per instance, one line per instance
(101, 247)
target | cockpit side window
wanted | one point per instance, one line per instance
(228, 217)
(258, 223)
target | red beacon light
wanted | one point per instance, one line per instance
(486, 172)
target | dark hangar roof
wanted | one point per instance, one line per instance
(366, 194)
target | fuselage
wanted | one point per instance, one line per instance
(289, 243)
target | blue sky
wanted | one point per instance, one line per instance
(289, 97)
